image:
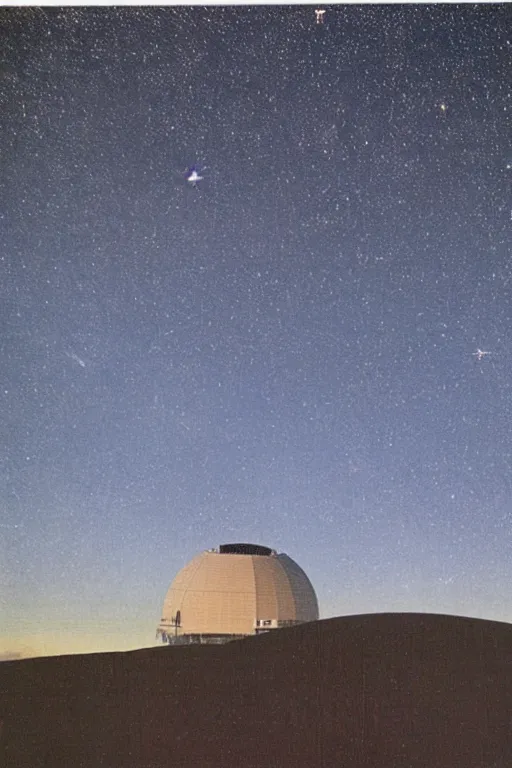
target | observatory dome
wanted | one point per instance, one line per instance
(234, 591)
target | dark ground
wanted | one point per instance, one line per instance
(383, 691)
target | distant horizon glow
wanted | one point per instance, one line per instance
(96, 638)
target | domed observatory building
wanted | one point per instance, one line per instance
(236, 590)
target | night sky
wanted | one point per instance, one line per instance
(281, 354)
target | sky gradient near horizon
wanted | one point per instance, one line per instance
(282, 354)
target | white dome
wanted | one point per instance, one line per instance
(237, 590)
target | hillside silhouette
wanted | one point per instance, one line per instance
(379, 691)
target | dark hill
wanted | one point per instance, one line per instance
(382, 691)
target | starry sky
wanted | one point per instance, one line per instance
(281, 354)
